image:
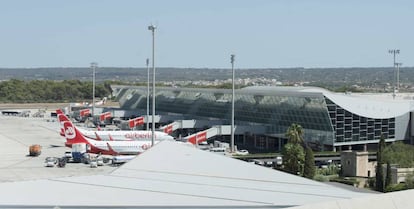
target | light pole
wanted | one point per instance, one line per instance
(94, 65)
(398, 64)
(232, 105)
(152, 28)
(148, 91)
(394, 52)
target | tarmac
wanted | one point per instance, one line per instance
(18, 133)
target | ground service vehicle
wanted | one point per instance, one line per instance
(78, 149)
(61, 162)
(35, 150)
(122, 159)
(50, 162)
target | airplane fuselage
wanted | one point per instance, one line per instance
(119, 147)
(74, 136)
(124, 135)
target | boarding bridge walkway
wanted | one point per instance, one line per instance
(219, 130)
(206, 134)
(185, 124)
(180, 124)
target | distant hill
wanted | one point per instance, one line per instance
(370, 77)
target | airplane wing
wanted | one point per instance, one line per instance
(98, 138)
(111, 150)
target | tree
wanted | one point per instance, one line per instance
(309, 169)
(388, 176)
(46, 91)
(379, 176)
(409, 181)
(293, 157)
(293, 153)
(295, 134)
(399, 153)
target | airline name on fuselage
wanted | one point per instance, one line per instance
(139, 135)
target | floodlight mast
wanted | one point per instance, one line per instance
(148, 93)
(94, 65)
(398, 64)
(394, 52)
(152, 28)
(232, 105)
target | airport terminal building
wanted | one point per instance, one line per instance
(330, 120)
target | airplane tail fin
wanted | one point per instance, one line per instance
(59, 111)
(72, 134)
(61, 119)
(62, 132)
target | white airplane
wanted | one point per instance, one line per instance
(117, 135)
(74, 136)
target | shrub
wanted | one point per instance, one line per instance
(321, 178)
(371, 182)
(330, 170)
(349, 181)
(396, 187)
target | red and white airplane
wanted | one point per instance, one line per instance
(74, 136)
(116, 135)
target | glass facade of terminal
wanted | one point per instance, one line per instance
(351, 127)
(275, 112)
(324, 122)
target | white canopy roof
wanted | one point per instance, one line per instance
(378, 106)
(174, 174)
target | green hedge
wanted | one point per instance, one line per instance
(396, 187)
(349, 181)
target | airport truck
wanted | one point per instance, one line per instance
(78, 151)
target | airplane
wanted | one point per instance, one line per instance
(87, 104)
(74, 136)
(61, 117)
(117, 135)
(102, 102)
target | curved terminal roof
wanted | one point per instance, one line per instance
(367, 105)
(371, 108)
(377, 106)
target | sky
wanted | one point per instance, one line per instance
(203, 34)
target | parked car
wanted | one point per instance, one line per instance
(50, 161)
(279, 160)
(100, 161)
(242, 152)
(93, 162)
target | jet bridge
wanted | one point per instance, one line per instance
(186, 124)
(132, 123)
(215, 130)
(219, 130)
(206, 134)
(179, 124)
(137, 121)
